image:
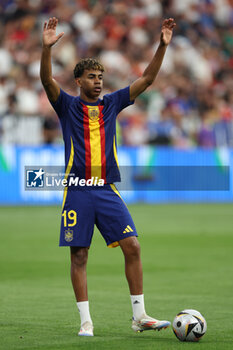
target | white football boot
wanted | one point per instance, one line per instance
(86, 330)
(147, 323)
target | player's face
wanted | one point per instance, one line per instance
(91, 84)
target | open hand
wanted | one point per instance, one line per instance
(167, 30)
(49, 32)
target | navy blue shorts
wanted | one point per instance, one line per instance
(86, 206)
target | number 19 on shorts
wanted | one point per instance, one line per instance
(69, 218)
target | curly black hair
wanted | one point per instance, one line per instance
(87, 63)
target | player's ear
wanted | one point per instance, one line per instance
(78, 81)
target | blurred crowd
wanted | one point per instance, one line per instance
(189, 105)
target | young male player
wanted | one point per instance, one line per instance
(89, 129)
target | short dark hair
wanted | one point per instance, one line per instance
(87, 63)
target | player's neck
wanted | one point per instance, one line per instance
(87, 98)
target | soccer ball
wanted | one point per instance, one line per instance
(189, 325)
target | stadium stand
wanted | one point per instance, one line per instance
(189, 105)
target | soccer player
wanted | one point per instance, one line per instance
(89, 131)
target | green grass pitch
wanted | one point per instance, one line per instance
(187, 253)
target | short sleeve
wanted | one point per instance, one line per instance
(121, 99)
(62, 103)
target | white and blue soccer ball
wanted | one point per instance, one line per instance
(189, 325)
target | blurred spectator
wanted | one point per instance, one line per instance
(191, 102)
(50, 130)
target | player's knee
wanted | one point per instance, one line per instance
(132, 249)
(135, 248)
(79, 257)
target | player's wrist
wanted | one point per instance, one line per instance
(46, 46)
(163, 44)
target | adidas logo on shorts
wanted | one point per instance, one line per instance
(128, 229)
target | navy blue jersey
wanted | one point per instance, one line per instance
(89, 132)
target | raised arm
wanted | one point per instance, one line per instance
(49, 39)
(150, 73)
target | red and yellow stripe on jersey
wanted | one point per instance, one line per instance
(94, 141)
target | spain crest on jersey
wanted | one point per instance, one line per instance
(93, 112)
